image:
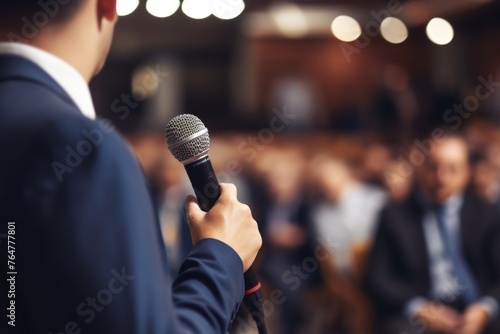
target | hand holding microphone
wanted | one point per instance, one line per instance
(219, 214)
(228, 221)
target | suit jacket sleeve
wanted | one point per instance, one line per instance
(92, 255)
(384, 283)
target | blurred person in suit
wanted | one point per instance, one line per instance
(286, 235)
(397, 186)
(338, 214)
(345, 216)
(485, 177)
(375, 161)
(435, 263)
(88, 247)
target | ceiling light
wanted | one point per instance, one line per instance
(289, 19)
(197, 9)
(439, 31)
(346, 28)
(227, 10)
(126, 7)
(393, 30)
(162, 8)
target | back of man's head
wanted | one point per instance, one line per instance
(77, 31)
(38, 12)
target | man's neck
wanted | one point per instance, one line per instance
(59, 45)
(66, 52)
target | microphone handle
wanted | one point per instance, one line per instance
(207, 190)
(254, 300)
(204, 182)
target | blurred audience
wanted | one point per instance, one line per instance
(431, 267)
(435, 263)
(227, 165)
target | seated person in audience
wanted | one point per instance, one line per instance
(348, 210)
(435, 263)
(398, 186)
(485, 178)
(285, 237)
(344, 219)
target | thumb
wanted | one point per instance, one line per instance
(193, 210)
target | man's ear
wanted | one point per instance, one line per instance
(106, 9)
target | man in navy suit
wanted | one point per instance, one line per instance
(88, 252)
(435, 262)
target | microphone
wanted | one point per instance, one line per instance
(189, 142)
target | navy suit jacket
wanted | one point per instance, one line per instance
(398, 266)
(89, 256)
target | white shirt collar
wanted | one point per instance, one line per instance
(64, 74)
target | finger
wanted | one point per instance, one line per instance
(453, 325)
(227, 191)
(193, 210)
(464, 330)
(451, 318)
(451, 314)
(247, 211)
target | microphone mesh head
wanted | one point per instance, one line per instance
(187, 138)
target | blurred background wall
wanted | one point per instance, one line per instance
(227, 71)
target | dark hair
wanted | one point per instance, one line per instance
(38, 12)
(477, 156)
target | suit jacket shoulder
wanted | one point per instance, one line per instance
(89, 251)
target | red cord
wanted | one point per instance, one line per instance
(252, 290)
